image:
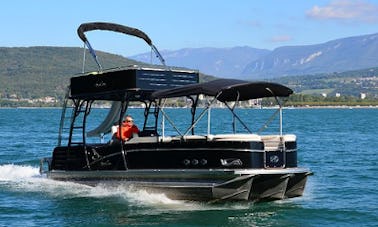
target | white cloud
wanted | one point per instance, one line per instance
(346, 10)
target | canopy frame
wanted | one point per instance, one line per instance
(225, 90)
(106, 26)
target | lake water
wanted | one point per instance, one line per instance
(339, 145)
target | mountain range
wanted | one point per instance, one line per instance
(220, 62)
(249, 63)
(32, 72)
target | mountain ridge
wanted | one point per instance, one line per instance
(220, 62)
(339, 55)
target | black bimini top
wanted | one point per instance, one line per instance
(111, 27)
(227, 90)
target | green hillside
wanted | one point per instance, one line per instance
(30, 74)
(36, 72)
(350, 83)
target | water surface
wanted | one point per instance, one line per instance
(339, 145)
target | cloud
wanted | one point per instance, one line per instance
(346, 10)
(281, 38)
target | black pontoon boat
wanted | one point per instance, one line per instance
(184, 165)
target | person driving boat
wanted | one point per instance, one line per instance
(127, 130)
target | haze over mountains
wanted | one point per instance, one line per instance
(220, 62)
(250, 63)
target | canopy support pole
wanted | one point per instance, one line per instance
(202, 114)
(124, 106)
(280, 110)
(169, 120)
(237, 117)
(84, 57)
(193, 109)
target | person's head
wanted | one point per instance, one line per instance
(129, 120)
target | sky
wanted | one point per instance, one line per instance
(175, 24)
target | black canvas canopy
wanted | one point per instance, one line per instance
(111, 27)
(227, 90)
(115, 28)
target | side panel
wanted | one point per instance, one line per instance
(64, 159)
(200, 154)
(103, 82)
(197, 154)
(291, 154)
(157, 80)
(91, 85)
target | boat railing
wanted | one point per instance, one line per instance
(271, 142)
(235, 137)
(211, 137)
(276, 142)
(194, 137)
(146, 139)
(220, 137)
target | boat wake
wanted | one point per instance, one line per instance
(19, 178)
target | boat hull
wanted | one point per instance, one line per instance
(217, 168)
(199, 185)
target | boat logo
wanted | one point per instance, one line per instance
(100, 83)
(231, 162)
(274, 159)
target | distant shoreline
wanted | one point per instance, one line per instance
(285, 107)
(331, 107)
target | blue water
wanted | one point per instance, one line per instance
(339, 145)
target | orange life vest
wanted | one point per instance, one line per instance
(127, 131)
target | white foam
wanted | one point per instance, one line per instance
(12, 172)
(27, 179)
